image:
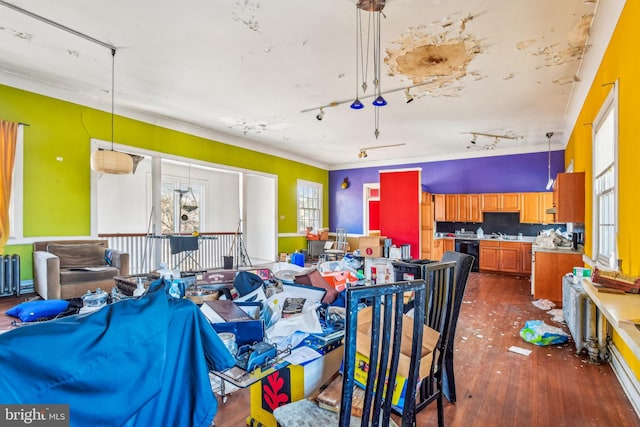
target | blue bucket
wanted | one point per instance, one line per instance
(297, 258)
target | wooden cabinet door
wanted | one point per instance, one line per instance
(491, 202)
(547, 203)
(489, 256)
(531, 209)
(550, 267)
(525, 255)
(427, 244)
(510, 202)
(569, 197)
(439, 207)
(463, 208)
(475, 209)
(448, 245)
(510, 257)
(437, 249)
(451, 208)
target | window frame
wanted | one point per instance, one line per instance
(301, 183)
(609, 106)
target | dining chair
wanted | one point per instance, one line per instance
(440, 282)
(464, 264)
(384, 345)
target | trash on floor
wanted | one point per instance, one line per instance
(520, 350)
(539, 333)
(556, 315)
(543, 304)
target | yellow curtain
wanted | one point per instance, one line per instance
(8, 137)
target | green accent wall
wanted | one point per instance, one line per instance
(57, 193)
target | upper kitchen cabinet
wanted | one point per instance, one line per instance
(533, 208)
(451, 208)
(439, 207)
(475, 207)
(568, 197)
(501, 202)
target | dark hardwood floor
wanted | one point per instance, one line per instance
(551, 387)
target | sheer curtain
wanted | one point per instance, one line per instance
(8, 137)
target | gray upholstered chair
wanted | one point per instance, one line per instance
(464, 263)
(64, 269)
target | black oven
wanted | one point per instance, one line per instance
(471, 247)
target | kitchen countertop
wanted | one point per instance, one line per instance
(570, 250)
(529, 239)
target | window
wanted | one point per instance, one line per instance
(181, 205)
(309, 205)
(15, 205)
(605, 177)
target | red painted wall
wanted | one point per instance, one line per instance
(400, 208)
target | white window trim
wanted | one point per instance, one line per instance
(321, 206)
(610, 102)
(16, 206)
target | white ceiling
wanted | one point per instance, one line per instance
(242, 72)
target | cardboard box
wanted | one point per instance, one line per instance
(429, 342)
(371, 246)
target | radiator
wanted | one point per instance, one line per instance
(586, 324)
(9, 275)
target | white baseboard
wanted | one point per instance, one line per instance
(626, 377)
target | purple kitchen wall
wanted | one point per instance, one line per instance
(499, 174)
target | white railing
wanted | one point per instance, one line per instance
(146, 251)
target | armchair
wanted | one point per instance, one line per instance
(64, 269)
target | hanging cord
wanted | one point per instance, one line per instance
(113, 85)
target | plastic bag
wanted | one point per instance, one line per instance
(539, 333)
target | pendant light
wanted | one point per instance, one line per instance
(550, 181)
(111, 161)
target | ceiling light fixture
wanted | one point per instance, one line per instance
(473, 139)
(111, 161)
(363, 38)
(363, 150)
(496, 138)
(549, 180)
(320, 115)
(407, 96)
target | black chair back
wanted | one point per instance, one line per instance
(464, 264)
(384, 350)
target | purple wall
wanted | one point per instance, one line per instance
(500, 174)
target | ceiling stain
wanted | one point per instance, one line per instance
(566, 80)
(24, 36)
(435, 61)
(559, 54)
(509, 76)
(74, 53)
(245, 13)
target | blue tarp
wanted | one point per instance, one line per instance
(137, 362)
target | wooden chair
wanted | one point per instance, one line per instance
(384, 350)
(440, 281)
(464, 263)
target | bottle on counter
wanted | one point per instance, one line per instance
(480, 233)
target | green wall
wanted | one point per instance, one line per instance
(57, 193)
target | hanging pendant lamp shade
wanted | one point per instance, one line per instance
(109, 161)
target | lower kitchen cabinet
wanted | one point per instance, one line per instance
(548, 270)
(505, 257)
(510, 257)
(489, 255)
(526, 255)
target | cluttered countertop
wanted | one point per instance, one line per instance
(547, 241)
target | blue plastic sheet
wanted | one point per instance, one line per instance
(137, 362)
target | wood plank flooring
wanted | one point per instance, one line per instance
(551, 387)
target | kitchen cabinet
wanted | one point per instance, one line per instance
(505, 256)
(533, 208)
(548, 269)
(439, 207)
(501, 202)
(475, 208)
(440, 246)
(451, 208)
(490, 255)
(568, 197)
(448, 245)
(525, 256)
(463, 207)
(427, 223)
(510, 261)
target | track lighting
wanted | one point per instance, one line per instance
(320, 115)
(379, 101)
(473, 139)
(362, 153)
(408, 97)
